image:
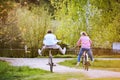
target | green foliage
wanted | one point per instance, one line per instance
(6, 4)
(102, 15)
(33, 25)
(99, 18)
(106, 28)
(23, 26)
(9, 32)
(69, 14)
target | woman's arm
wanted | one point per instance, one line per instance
(79, 42)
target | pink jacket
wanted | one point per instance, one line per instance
(84, 41)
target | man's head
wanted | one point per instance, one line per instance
(49, 31)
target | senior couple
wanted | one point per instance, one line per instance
(50, 41)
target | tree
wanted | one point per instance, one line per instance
(33, 25)
(8, 36)
(102, 16)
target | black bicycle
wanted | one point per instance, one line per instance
(50, 60)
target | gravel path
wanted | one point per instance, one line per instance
(41, 63)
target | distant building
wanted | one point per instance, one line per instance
(116, 47)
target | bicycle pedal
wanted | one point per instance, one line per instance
(48, 64)
(53, 64)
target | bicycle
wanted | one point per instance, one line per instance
(85, 61)
(49, 49)
(50, 60)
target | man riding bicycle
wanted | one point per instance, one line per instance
(50, 41)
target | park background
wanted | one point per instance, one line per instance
(25, 22)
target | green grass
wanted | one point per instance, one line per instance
(8, 72)
(101, 64)
(74, 56)
(106, 79)
(64, 56)
(107, 56)
(60, 56)
(107, 65)
(57, 76)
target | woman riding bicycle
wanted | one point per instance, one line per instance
(85, 43)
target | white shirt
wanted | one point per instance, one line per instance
(50, 39)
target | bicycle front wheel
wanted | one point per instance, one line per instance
(51, 64)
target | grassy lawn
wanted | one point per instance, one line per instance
(107, 56)
(8, 72)
(98, 64)
(74, 56)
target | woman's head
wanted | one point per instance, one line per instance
(83, 33)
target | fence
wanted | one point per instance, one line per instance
(18, 53)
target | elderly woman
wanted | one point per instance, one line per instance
(85, 43)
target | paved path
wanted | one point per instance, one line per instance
(41, 63)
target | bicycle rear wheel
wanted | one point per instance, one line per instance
(86, 62)
(83, 62)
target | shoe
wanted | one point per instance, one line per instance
(77, 64)
(39, 52)
(92, 61)
(64, 50)
(54, 64)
